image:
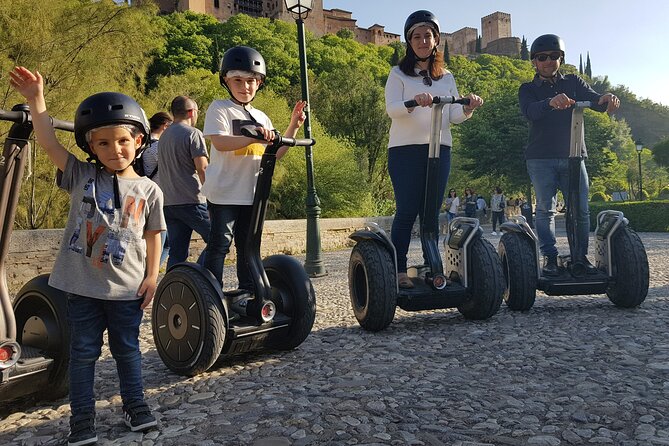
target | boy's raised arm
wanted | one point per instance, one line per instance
(31, 86)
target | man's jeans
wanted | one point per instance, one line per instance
(88, 319)
(181, 221)
(549, 175)
(229, 221)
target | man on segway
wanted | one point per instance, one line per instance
(546, 102)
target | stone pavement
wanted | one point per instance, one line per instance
(573, 370)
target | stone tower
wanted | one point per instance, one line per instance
(495, 26)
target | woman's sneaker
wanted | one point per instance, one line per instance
(138, 417)
(82, 430)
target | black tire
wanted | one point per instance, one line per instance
(294, 296)
(519, 265)
(486, 282)
(630, 270)
(372, 285)
(188, 321)
(41, 322)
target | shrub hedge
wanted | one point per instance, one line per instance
(644, 216)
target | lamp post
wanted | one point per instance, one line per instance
(639, 149)
(313, 264)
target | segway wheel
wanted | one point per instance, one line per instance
(486, 282)
(188, 321)
(372, 285)
(519, 264)
(41, 322)
(294, 296)
(630, 270)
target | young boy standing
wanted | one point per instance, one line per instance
(108, 259)
(235, 159)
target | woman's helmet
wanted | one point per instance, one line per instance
(242, 58)
(109, 108)
(547, 42)
(418, 17)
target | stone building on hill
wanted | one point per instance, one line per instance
(320, 21)
(496, 35)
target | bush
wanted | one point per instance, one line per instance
(644, 216)
(600, 196)
(663, 194)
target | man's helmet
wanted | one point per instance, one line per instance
(109, 108)
(547, 42)
(242, 58)
(421, 16)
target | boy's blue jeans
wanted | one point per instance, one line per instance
(407, 166)
(88, 319)
(547, 176)
(229, 222)
(181, 221)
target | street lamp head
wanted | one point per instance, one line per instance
(299, 9)
(639, 146)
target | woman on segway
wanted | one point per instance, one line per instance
(420, 75)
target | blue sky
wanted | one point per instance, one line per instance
(628, 40)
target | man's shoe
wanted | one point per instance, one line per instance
(494, 233)
(138, 416)
(589, 267)
(82, 430)
(550, 266)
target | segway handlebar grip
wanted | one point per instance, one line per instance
(439, 99)
(278, 139)
(23, 116)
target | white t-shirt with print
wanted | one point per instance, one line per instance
(232, 175)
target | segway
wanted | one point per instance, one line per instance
(620, 257)
(34, 335)
(195, 323)
(472, 280)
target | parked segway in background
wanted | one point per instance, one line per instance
(472, 280)
(620, 257)
(34, 335)
(195, 322)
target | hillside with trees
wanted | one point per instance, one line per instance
(85, 47)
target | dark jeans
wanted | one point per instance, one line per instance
(497, 216)
(407, 166)
(549, 175)
(88, 319)
(229, 222)
(181, 221)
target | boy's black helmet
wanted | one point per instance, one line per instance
(242, 58)
(547, 42)
(419, 17)
(109, 108)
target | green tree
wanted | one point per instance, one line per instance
(661, 153)
(478, 45)
(447, 55)
(524, 52)
(81, 48)
(588, 67)
(580, 64)
(345, 33)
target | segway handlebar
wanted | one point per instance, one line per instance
(279, 140)
(439, 99)
(23, 116)
(584, 104)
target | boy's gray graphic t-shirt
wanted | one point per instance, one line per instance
(103, 252)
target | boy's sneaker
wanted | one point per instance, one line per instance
(138, 417)
(82, 430)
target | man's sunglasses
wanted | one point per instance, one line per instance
(427, 80)
(544, 57)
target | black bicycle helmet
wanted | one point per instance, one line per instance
(109, 108)
(420, 17)
(547, 42)
(242, 58)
